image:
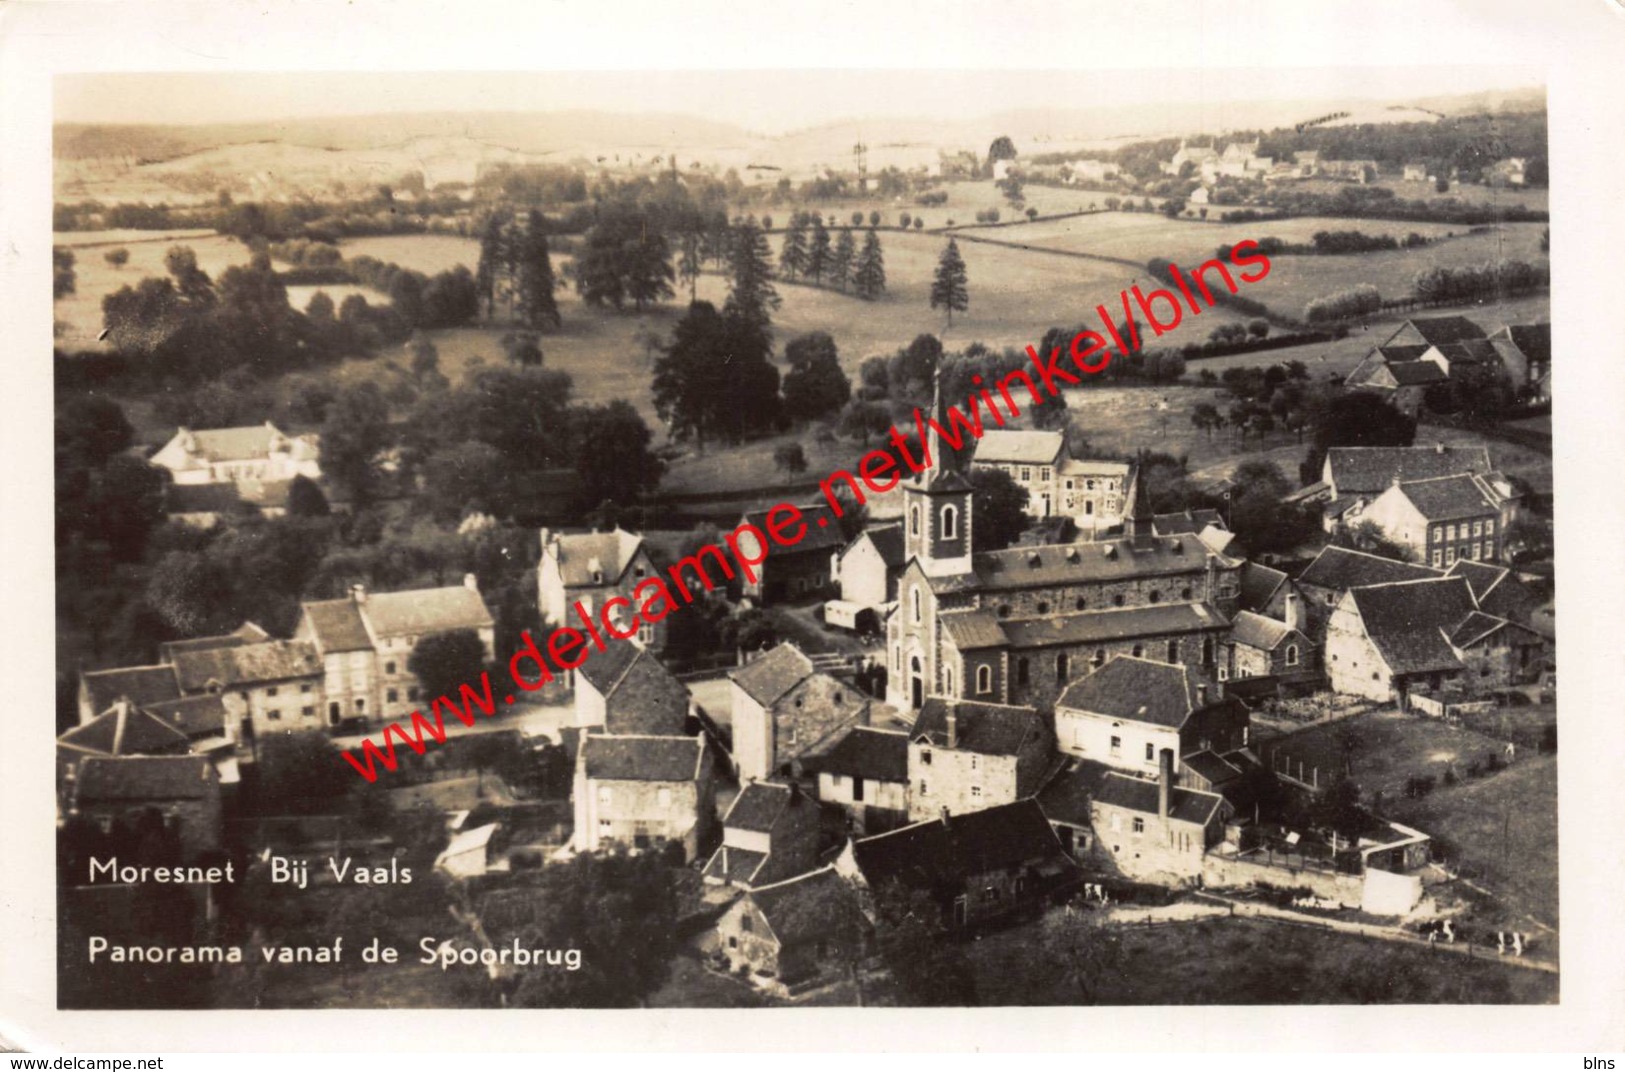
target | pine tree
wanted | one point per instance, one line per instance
(870, 279)
(493, 260)
(793, 255)
(840, 261)
(818, 253)
(535, 283)
(948, 290)
(751, 297)
(690, 254)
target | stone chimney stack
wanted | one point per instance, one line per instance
(471, 582)
(953, 724)
(1212, 577)
(358, 593)
(1165, 782)
(1294, 608)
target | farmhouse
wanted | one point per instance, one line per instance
(783, 706)
(1525, 351)
(769, 834)
(262, 453)
(1338, 569)
(625, 689)
(869, 567)
(1156, 831)
(1125, 713)
(1440, 519)
(805, 568)
(795, 930)
(864, 772)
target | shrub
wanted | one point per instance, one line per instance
(1345, 304)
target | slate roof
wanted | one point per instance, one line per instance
(247, 633)
(944, 853)
(233, 444)
(1340, 568)
(863, 752)
(1475, 627)
(142, 685)
(984, 728)
(1105, 560)
(888, 540)
(1481, 577)
(247, 664)
(1417, 373)
(1357, 470)
(1441, 330)
(1116, 624)
(1408, 621)
(637, 758)
(818, 537)
(426, 610)
(612, 551)
(195, 716)
(758, 806)
(1215, 768)
(1190, 522)
(338, 626)
(973, 629)
(1445, 498)
(604, 668)
(1259, 583)
(1019, 447)
(774, 674)
(1093, 467)
(1257, 631)
(126, 731)
(1404, 353)
(734, 865)
(640, 694)
(1469, 352)
(1534, 340)
(116, 778)
(1136, 690)
(817, 905)
(1066, 797)
(1140, 795)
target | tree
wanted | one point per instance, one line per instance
(751, 296)
(612, 454)
(689, 257)
(874, 218)
(63, 282)
(998, 509)
(1002, 148)
(463, 477)
(869, 281)
(793, 253)
(1205, 417)
(624, 256)
(355, 432)
(1353, 419)
(535, 283)
(815, 386)
(948, 289)
(305, 498)
(495, 261)
(443, 661)
(523, 348)
(715, 379)
(818, 252)
(861, 419)
(790, 458)
(1012, 189)
(928, 969)
(425, 357)
(298, 773)
(118, 258)
(1369, 537)
(840, 260)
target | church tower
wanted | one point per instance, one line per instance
(937, 509)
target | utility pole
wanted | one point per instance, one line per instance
(860, 157)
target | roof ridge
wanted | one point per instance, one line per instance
(795, 878)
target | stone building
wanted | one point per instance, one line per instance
(794, 930)
(1155, 831)
(625, 689)
(181, 792)
(1126, 713)
(254, 455)
(783, 706)
(591, 569)
(864, 772)
(769, 834)
(640, 792)
(964, 756)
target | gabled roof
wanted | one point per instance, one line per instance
(426, 610)
(1066, 797)
(942, 854)
(123, 730)
(117, 778)
(1104, 560)
(1444, 498)
(1440, 330)
(1215, 768)
(1475, 627)
(1398, 354)
(1189, 522)
(476, 840)
(338, 626)
(1140, 795)
(774, 674)
(1019, 447)
(1481, 577)
(985, 728)
(195, 716)
(640, 694)
(888, 541)
(247, 633)
(1093, 467)
(1257, 631)
(202, 499)
(863, 752)
(972, 630)
(579, 555)
(811, 907)
(233, 444)
(247, 664)
(759, 805)
(1340, 568)
(1469, 352)
(1534, 341)
(638, 758)
(1126, 623)
(141, 685)
(1356, 470)
(1135, 690)
(823, 531)
(1259, 583)
(1410, 621)
(1417, 373)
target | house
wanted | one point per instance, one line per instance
(640, 792)
(1498, 591)
(279, 682)
(964, 756)
(1335, 570)
(1124, 714)
(1066, 800)
(805, 568)
(1090, 492)
(1441, 519)
(1354, 476)
(783, 706)
(1384, 640)
(864, 771)
(868, 568)
(1198, 202)
(121, 730)
(1240, 159)
(1400, 375)
(624, 689)
(238, 455)
(1526, 352)
(1416, 172)
(1264, 590)
(1156, 831)
(591, 569)
(468, 853)
(182, 792)
(1015, 626)
(976, 867)
(1306, 163)
(794, 930)
(1203, 158)
(1508, 172)
(1263, 647)
(769, 834)
(1360, 171)
(366, 641)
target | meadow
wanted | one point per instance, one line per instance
(79, 315)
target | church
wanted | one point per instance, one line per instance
(1016, 626)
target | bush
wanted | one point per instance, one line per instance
(1344, 305)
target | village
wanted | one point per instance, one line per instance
(1068, 700)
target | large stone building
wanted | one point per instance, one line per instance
(965, 756)
(1091, 493)
(1016, 626)
(257, 455)
(591, 569)
(783, 706)
(1442, 519)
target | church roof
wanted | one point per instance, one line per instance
(1103, 560)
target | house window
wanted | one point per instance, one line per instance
(1156, 596)
(605, 795)
(1043, 607)
(1173, 651)
(1139, 826)
(948, 683)
(975, 791)
(1117, 745)
(1089, 484)
(1478, 528)
(271, 691)
(857, 788)
(1292, 655)
(1185, 594)
(1080, 603)
(1023, 671)
(1207, 651)
(1117, 600)
(925, 757)
(1438, 556)
(897, 656)
(950, 523)
(1449, 555)
(914, 520)
(1004, 610)
(334, 711)
(744, 924)
(304, 689)
(360, 704)
(1489, 527)
(733, 941)
(274, 715)
(664, 797)
(914, 597)
(1150, 752)
(1026, 474)
(1450, 532)
(1043, 474)
(307, 711)
(923, 791)
(646, 634)
(1438, 533)
(984, 678)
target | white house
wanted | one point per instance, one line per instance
(261, 454)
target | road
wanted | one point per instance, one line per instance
(534, 720)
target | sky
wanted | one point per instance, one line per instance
(769, 102)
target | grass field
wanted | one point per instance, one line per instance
(1249, 962)
(80, 313)
(1384, 749)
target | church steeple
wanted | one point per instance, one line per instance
(937, 506)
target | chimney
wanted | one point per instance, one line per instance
(547, 539)
(953, 724)
(1294, 608)
(1439, 446)
(358, 593)
(471, 582)
(1165, 782)
(795, 792)
(945, 815)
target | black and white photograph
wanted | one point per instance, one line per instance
(669, 536)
